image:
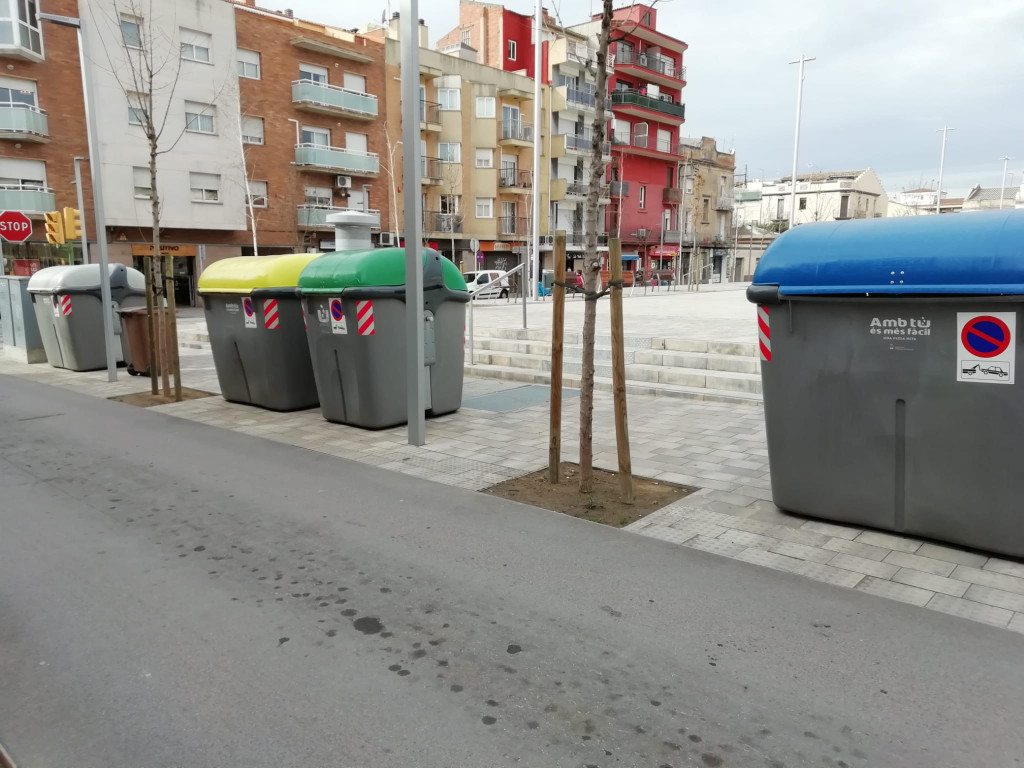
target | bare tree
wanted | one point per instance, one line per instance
(389, 169)
(451, 178)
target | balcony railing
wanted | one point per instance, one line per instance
(22, 120)
(430, 112)
(585, 55)
(513, 177)
(581, 96)
(619, 189)
(651, 143)
(332, 98)
(582, 189)
(26, 198)
(575, 142)
(672, 195)
(337, 159)
(315, 216)
(652, 63)
(513, 225)
(516, 130)
(634, 98)
(577, 237)
(724, 204)
(430, 170)
(436, 221)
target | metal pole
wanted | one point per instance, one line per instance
(96, 170)
(682, 223)
(81, 208)
(3, 266)
(1002, 189)
(796, 138)
(533, 275)
(415, 375)
(942, 163)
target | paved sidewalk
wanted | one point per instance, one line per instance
(717, 448)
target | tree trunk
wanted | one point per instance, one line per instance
(159, 276)
(172, 327)
(591, 261)
(150, 324)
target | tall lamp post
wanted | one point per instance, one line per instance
(1002, 190)
(942, 164)
(796, 138)
(96, 171)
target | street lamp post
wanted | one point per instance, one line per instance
(796, 138)
(942, 164)
(1002, 190)
(96, 170)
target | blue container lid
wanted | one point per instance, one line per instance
(978, 254)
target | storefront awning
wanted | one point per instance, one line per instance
(630, 257)
(663, 253)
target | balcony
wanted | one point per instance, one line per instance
(576, 54)
(315, 216)
(23, 122)
(580, 189)
(516, 133)
(619, 189)
(724, 204)
(430, 116)
(633, 102)
(330, 159)
(672, 195)
(436, 222)
(576, 144)
(18, 38)
(514, 181)
(578, 98)
(652, 67)
(430, 170)
(647, 146)
(30, 200)
(513, 226)
(332, 100)
(578, 239)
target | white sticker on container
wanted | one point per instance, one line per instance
(338, 324)
(986, 348)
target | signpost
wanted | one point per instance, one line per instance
(15, 227)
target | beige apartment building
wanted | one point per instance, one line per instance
(476, 140)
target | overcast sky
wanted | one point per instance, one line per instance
(888, 74)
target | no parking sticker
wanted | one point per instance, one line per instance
(338, 324)
(249, 312)
(986, 348)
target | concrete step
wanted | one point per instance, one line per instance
(701, 360)
(604, 384)
(712, 347)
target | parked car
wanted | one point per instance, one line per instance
(500, 289)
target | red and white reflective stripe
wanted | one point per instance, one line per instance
(364, 318)
(271, 318)
(764, 334)
(65, 306)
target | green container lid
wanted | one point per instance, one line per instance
(373, 268)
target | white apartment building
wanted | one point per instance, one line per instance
(825, 196)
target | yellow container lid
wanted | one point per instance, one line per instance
(245, 274)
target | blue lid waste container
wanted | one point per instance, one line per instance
(892, 397)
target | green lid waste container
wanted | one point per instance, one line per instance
(355, 304)
(257, 333)
(68, 307)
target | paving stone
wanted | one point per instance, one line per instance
(866, 551)
(1017, 623)
(760, 556)
(832, 530)
(967, 609)
(697, 527)
(1005, 567)
(715, 546)
(889, 541)
(996, 597)
(802, 552)
(829, 575)
(918, 563)
(864, 566)
(989, 579)
(894, 591)
(748, 539)
(931, 582)
(958, 556)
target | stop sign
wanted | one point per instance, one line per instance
(15, 226)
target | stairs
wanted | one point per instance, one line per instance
(697, 370)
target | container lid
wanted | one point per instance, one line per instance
(371, 268)
(978, 253)
(84, 277)
(244, 274)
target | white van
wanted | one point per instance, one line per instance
(500, 289)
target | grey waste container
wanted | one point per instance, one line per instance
(69, 310)
(355, 305)
(891, 393)
(256, 331)
(18, 322)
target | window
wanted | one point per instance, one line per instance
(803, 203)
(449, 153)
(131, 31)
(705, 210)
(311, 73)
(252, 130)
(205, 187)
(199, 117)
(647, 19)
(511, 50)
(22, 174)
(485, 106)
(357, 200)
(485, 158)
(670, 174)
(643, 197)
(138, 106)
(18, 93)
(319, 196)
(449, 99)
(257, 194)
(485, 207)
(354, 82)
(19, 25)
(143, 183)
(317, 137)
(467, 37)
(195, 46)
(248, 64)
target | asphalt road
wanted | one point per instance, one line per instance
(177, 595)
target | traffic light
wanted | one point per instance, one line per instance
(72, 223)
(54, 228)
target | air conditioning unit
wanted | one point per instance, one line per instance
(642, 234)
(388, 239)
(343, 182)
